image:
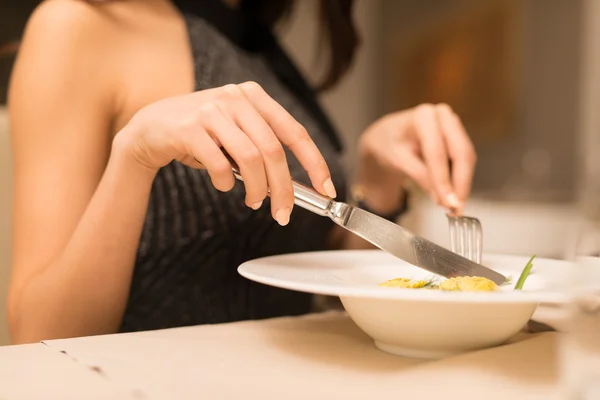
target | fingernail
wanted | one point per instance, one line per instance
(453, 201)
(256, 206)
(283, 216)
(329, 188)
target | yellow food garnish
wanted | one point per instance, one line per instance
(460, 284)
(469, 284)
(405, 283)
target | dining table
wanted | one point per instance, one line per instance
(321, 355)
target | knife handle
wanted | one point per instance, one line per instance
(304, 196)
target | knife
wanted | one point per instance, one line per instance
(388, 236)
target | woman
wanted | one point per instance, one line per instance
(126, 213)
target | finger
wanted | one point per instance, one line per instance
(460, 149)
(260, 133)
(413, 167)
(433, 147)
(293, 135)
(206, 152)
(241, 149)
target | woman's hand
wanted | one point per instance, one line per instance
(418, 144)
(242, 121)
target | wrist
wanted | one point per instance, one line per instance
(389, 204)
(377, 187)
(125, 155)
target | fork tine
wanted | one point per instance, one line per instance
(478, 241)
(463, 237)
(472, 240)
(466, 237)
(453, 233)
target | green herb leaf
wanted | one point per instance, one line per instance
(524, 274)
(431, 282)
(508, 281)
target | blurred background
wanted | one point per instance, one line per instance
(523, 75)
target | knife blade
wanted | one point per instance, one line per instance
(413, 249)
(388, 236)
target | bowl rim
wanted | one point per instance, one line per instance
(368, 291)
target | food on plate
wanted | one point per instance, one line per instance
(405, 283)
(469, 284)
(460, 283)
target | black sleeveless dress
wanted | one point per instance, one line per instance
(195, 237)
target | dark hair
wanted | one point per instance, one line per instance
(336, 27)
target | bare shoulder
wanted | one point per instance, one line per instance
(115, 56)
(75, 50)
(69, 18)
(66, 36)
(96, 28)
(84, 26)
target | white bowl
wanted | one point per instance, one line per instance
(412, 322)
(435, 330)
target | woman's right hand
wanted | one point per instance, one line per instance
(241, 120)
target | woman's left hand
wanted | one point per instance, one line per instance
(417, 144)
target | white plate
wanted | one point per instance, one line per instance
(357, 273)
(412, 322)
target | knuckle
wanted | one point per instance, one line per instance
(273, 149)
(207, 109)
(251, 157)
(322, 164)
(231, 88)
(437, 155)
(301, 136)
(470, 155)
(250, 87)
(302, 133)
(424, 108)
(466, 152)
(444, 107)
(423, 113)
(229, 92)
(221, 167)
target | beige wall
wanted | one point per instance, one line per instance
(590, 91)
(5, 199)
(547, 58)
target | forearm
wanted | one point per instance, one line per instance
(84, 289)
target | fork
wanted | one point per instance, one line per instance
(466, 237)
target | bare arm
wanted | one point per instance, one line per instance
(78, 209)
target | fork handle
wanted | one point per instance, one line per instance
(304, 197)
